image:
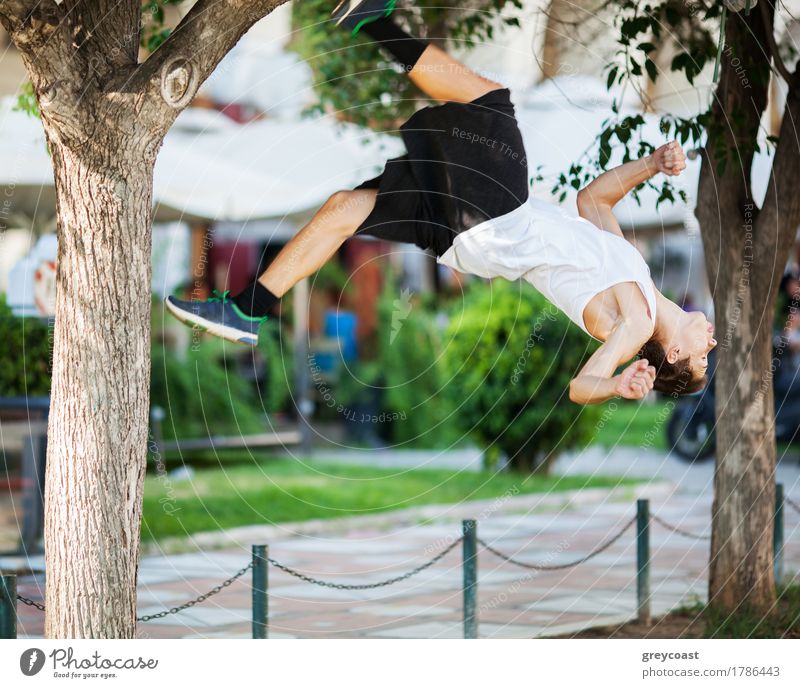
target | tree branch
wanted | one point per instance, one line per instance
(108, 29)
(24, 17)
(175, 71)
(16, 10)
(779, 64)
(41, 33)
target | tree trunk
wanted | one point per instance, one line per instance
(744, 477)
(105, 116)
(746, 248)
(97, 430)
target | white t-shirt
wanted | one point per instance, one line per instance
(565, 257)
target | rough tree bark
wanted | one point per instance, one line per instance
(105, 117)
(746, 249)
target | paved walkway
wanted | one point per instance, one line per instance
(512, 602)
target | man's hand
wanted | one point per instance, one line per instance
(636, 380)
(670, 158)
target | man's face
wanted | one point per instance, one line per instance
(695, 340)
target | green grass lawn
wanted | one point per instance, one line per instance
(633, 424)
(283, 490)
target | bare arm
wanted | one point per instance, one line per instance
(596, 199)
(596, 381)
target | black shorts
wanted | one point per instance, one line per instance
(465, 164)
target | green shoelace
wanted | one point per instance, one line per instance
(223, 297)
(389, 9)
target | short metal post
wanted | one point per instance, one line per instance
(643, 560)
(8, 607)
(469, 528)
(304, 404)
(260, 608)
(777, 535)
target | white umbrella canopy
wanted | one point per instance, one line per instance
(264, 76)
(214, 169)
(266, 169)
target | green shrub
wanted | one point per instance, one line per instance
(404, 379)
(203, 395)
(509, 358)
(25, 366)
(212, 390)
(277, 350)
(410, 350)
(200, 395)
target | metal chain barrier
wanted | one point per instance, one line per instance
(173, 610)
(677, 530)
(414, 571)
(213, 591)
(290, 571)
(364, 586)
(558, 567)
(30, 603)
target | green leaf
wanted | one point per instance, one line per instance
(652, 70)
(27, 102)
(612, 74)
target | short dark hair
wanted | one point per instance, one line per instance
(671, 378)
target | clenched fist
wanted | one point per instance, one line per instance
(670, 158)
(636, 380)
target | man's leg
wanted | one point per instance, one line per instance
(238, 318)
(315, 243)
(444, 78)
(435, 72)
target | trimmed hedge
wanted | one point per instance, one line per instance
(25, 369)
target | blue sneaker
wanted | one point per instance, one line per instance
(217, 315)
(353, 14)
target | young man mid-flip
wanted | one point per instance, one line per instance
(462, 191)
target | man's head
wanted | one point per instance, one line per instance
(681, 359)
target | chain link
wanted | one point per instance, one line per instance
(173, 610)
(680, 531)
(558, 567)
(364, 586)
(792, 504)
(30, 603)
(213, 591)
